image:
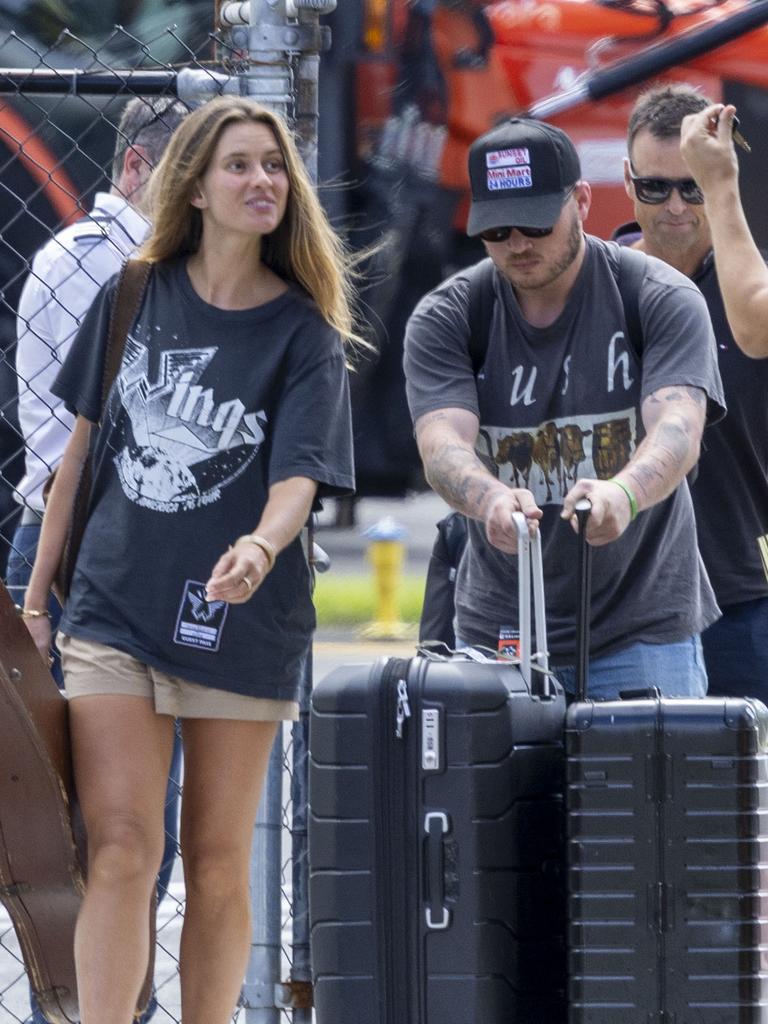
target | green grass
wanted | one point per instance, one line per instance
(351, 600)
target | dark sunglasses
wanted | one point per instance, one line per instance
(502, 233)
(655, 191)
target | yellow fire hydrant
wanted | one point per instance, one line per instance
(386, 553)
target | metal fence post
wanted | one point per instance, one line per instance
(301, 974)
(273, 40)
(264, 964)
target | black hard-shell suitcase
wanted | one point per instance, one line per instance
(435, 837)
(667, 855)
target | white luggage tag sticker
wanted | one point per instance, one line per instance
(430, 740)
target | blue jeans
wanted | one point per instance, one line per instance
(20, 561)
(676, 669)
(736, 651)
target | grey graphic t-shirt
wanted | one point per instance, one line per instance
(560, 403)
(209, 409)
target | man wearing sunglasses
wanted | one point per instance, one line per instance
(562, 407)
(730, 494)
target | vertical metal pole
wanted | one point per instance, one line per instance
(268, 79)
(301, 972)
(277, 35)
(307, 92)
(264, 964)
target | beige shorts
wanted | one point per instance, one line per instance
(93, 668)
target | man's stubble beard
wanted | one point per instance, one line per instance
(554, 270)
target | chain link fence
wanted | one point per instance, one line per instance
(60, 103)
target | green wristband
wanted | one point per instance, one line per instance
(630, 497)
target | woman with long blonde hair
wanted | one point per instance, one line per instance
(229, 416)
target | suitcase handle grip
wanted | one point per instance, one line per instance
(437, 915)
(530, 576)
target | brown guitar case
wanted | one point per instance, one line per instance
(42, 845)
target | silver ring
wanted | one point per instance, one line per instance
(247, 582)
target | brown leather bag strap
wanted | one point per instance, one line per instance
(128, 296)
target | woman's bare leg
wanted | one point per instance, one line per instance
(224, 767)
(122, 751)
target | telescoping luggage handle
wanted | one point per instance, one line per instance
(530, 575)
(584, 587)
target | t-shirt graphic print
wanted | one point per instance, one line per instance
(183, 442)
(549, 457)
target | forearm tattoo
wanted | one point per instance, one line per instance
(459, 477)
(452, 467)
(669, 449)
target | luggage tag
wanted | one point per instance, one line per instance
(509, 642)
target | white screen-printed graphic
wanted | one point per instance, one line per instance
(549, 458)
(509, 177)
(508, 157)
(187, 441)
(199, 623)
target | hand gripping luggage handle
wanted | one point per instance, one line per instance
(584, 586)
(530, 571)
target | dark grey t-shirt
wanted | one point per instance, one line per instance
(209, 409)
(560, 403)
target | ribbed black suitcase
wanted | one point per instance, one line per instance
(667, 855)
(436, 842)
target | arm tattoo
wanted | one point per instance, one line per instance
(697, 395)
(439, 415)
(459, 477)
(664, 456)
(679, 393)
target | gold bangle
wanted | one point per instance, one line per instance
(32, 613)
(266, 546)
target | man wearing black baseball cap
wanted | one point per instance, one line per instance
(555, 398)
(521, 173)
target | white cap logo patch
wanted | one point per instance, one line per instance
(508, 157)
(509, 177)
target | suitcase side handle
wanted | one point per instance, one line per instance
(437, 915)
(530, 577)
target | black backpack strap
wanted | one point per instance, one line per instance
(480, 310)
(630, 279)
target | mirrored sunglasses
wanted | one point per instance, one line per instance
(655, 191)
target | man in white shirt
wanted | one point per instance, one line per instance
(65, 276)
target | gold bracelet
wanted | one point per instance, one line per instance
(32, 613)
(266, 546)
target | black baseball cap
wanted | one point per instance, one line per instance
(520, 173)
